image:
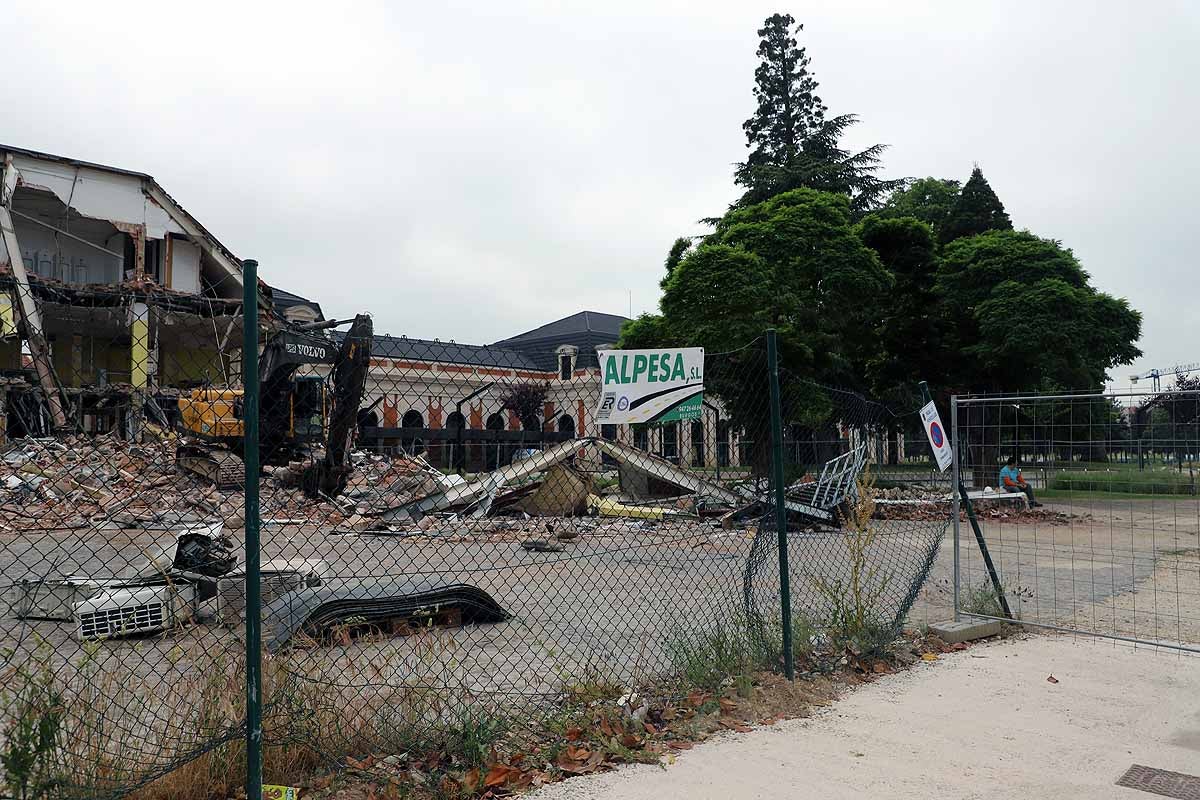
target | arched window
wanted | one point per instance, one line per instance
(412, 442)
(492, 452)
(456, 423)
(566, 425)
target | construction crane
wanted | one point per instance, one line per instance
(1155, 375)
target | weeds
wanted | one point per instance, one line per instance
(706, 659)
(853, 599)
(32, 737)
(473, 735)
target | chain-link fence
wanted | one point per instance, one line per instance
(1087, 505)
(447, 536)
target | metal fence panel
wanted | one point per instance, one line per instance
(1113, 549)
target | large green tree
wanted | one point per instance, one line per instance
(912, 328)
(911, 333)
(794, 263)
(977, 210)
(792, 145)
(1023, 315)
(929, 200)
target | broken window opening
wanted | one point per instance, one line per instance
(670, 442)
(641, 438)
(566, 425)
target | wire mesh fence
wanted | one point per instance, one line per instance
(447, 535)
(1087, 504)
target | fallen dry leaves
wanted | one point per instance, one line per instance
(601, 734)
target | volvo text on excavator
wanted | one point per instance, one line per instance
(297, 413)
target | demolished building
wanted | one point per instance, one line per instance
(112, 295)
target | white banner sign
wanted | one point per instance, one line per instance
(650, 385)
(938, 439)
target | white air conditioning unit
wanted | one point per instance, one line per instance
(51, 598)
(122, 612)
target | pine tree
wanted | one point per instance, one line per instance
(976, 211)
(788, 106)
(792, 144)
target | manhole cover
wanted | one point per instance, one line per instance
(1161, 782)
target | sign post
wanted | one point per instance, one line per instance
(937, 441)
(650, 386)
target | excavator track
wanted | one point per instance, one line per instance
(216, 465)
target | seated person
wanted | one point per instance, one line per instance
(1013, 481)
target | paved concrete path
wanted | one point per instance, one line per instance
(984, 723)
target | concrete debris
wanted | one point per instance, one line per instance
(562, 492)
(104, 482)
(108, 483)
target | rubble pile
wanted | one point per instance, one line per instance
(79, 481)
(908, 493)
(107, 483)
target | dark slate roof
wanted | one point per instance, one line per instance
(586, 330)
(401, 347)
(283, 300)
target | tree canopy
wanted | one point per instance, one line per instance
(1023, 315)
(794, 263)
(678, 249)
(977, 210)
(912, 327)
(792, 145)
(929, 200)
(931, 284)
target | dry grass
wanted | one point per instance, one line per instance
(182, 735)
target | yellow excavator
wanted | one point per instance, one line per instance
(297, 413)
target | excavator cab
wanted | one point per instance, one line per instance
(309, 409)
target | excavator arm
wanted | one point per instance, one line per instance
(329, 474)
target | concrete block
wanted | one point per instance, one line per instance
(965, 630)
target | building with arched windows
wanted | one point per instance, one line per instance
(474, 407)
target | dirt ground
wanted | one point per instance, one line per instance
(612, 602)
(983, 723)
(1122, 567)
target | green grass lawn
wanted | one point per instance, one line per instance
(1052, 495)
(1122, 478)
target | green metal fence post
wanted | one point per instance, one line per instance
(253, 594)
(785, 584)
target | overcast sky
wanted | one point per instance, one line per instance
(468, 171)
